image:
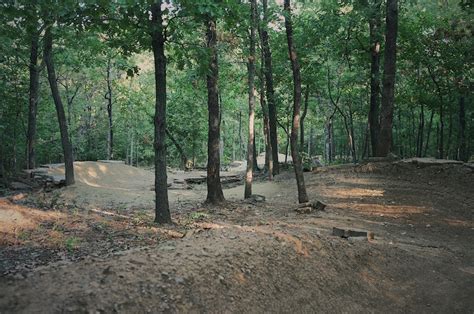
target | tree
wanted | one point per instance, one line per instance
(34, 72)
(270, 92)
(388, 92)
(214, 187)
(162, 211)
(251, 82)
(374, 34)
(108, 97)
(302, 196)
(66, 144)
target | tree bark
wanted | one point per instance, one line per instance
(251, 85)
(33, 100)
(162, 210)
(302, 196)
(66, 144)
(241, 142)
(214, 187)
(303, 116)
(388, 92)
(374, 33)
(270, 92)
(108, 97)
(266, 126)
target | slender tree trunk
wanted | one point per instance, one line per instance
(310, 140)
(132, 153)
(441, 132)
(241, 142)
(214, 187)
(437, 138)
(33, 100)
(374, 33)
(182, 154)
(66, 144)
(352, 137)
(303, 116)
(366, 143)
(302, 196)
(110, 133)
(430, 125)
(272, 110)
(450, 133)
(421, 127)
(388, 91)
(251, 82)
(440, 145)
(330, 146)
(162, 210)
(462, 147)
(266, 127)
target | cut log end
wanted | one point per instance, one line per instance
(308, 207)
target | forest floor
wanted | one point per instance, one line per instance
(93, 248)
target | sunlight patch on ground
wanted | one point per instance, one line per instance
(16, 221)
(384, 209)
(352, 192)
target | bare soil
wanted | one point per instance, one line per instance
(71, 250)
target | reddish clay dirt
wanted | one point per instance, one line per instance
(248, 256)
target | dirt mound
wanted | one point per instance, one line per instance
(265, 257)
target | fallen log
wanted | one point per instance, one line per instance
(308, 207)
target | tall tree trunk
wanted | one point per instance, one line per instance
(272, 110)
(110, 133)
(302, 196)
(162, 210)
(388, 91)
(66, 144)
(462, 148)
(374, 33)
(266, 126)
(303, 116)
(33, 100)
(251, 82)
(214, 187)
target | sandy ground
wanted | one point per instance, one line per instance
(258, 257)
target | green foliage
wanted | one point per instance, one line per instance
(435, 68)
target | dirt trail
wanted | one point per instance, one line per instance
(263, 257)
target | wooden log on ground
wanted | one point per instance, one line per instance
(308, 207)
(348, 233)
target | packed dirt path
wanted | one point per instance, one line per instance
(249, 256)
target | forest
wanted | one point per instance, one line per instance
(184, 117)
